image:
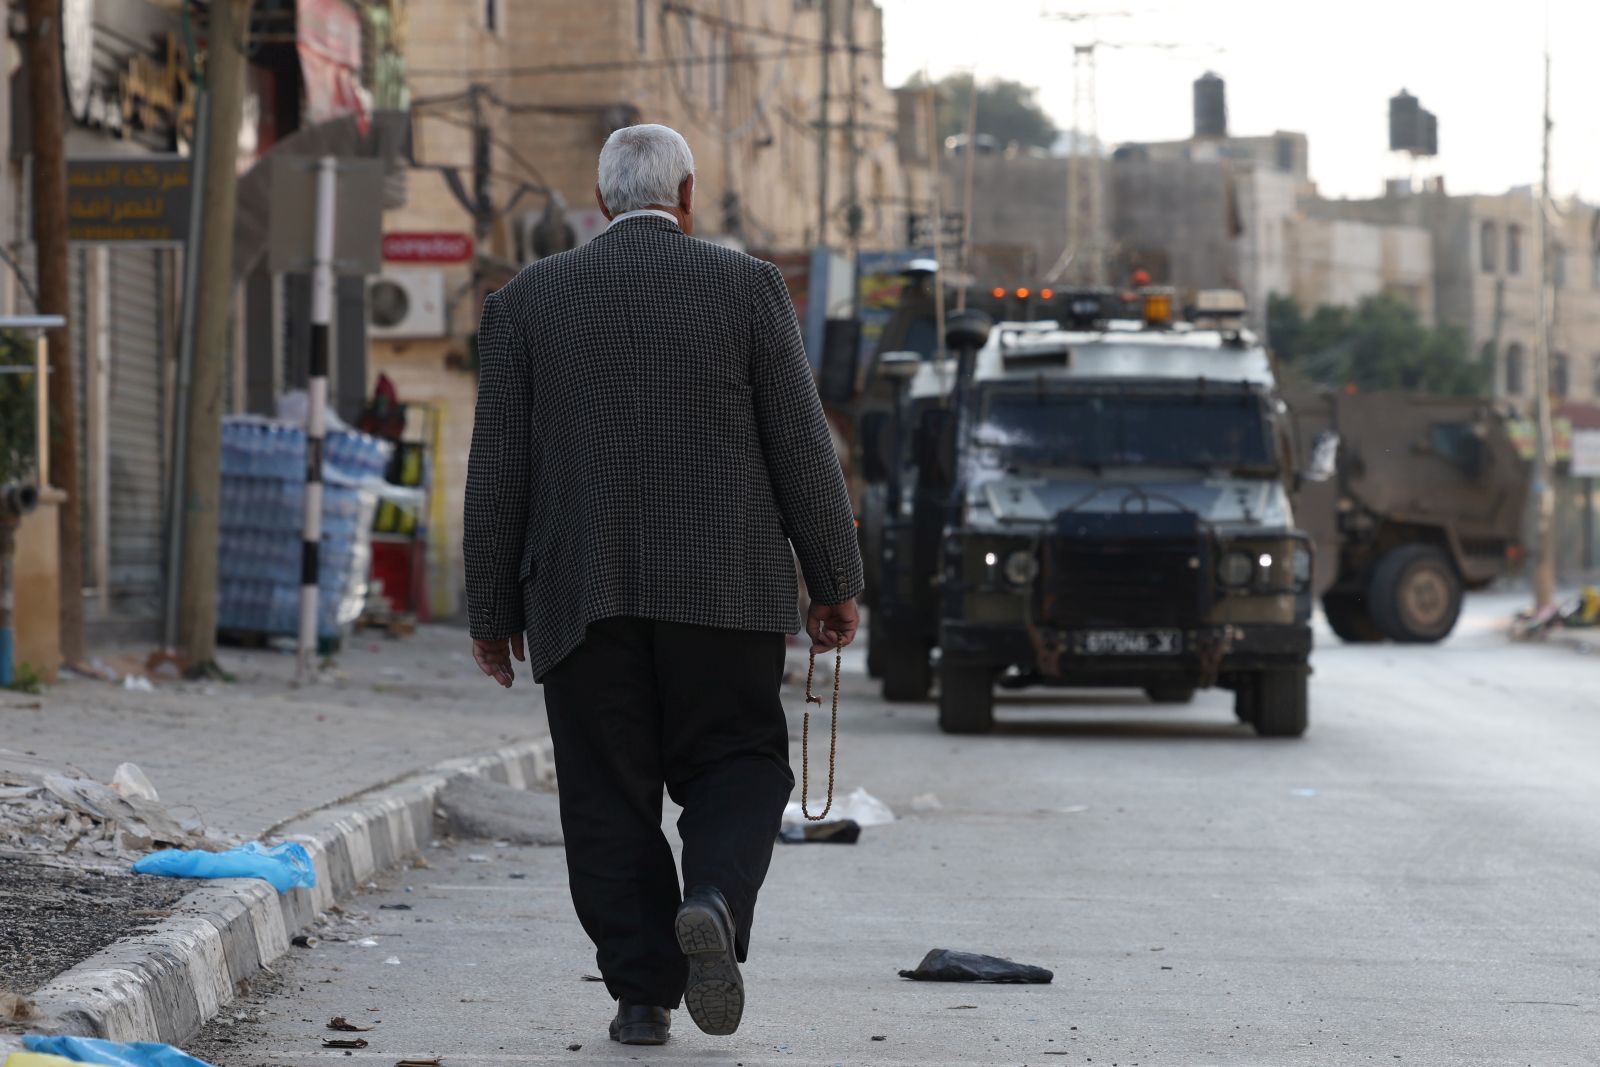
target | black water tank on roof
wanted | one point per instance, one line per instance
(1429, 136)
(1210, 106)
(1405, 123)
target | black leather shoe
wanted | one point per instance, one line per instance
(715, 994)
(641, 1024)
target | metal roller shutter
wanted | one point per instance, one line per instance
(137, 437)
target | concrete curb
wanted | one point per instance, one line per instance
(164, 985)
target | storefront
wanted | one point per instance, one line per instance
(130, 104)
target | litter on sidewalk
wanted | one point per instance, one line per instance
(949, 965)
(285, 867)
(109, 1053)
(1579, 613)
(860, 807)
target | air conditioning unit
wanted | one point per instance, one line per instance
(407, 303)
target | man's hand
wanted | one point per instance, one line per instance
(832, 625)
(494, 657)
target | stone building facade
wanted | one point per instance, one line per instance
(741, 80)
(1486, 281)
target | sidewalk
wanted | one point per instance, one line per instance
(255, 756)
(260, 751)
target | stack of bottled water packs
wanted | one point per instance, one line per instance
(263, 515)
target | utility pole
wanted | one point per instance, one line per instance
(969, 161)
(482, 197)
(202, 476)
(853, 214)
(322, 283)
(1544, 573)
(824, 128)
(47, 110)
(1084, 221)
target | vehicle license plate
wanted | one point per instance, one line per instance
(1130, 642)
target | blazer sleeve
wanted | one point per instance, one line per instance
(498, 479)
(806, 481)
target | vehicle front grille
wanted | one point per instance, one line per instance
(1126, 570)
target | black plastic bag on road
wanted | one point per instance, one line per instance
(948, 965)
(839, 832)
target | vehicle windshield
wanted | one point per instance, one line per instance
(1057, 428)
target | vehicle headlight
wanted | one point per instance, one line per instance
(1021, 567)
(1301, 563)
(1236, 568)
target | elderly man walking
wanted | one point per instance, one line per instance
(648, 447)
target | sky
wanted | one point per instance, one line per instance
(1323, 68)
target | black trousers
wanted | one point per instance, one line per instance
(643, 705)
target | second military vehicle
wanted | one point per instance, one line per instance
(1099, 501)
(1426, 501)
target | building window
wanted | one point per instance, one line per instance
(1594, 267)
(1560, 375)
(1513, 377)
(1558, 265)
(1595, 384)
(1513, 249)
(641, 24)
(491, 15)
(1489, 247)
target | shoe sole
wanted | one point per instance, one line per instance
(635, 1038)
(715, 993)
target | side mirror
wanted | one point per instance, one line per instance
(875, 461)
(936, 447)
(1323, 462)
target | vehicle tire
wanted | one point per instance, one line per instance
(1350, 619)
(966, 698)
(1415, 595)
(1172, 693)
(1275, 701)
(907, 674)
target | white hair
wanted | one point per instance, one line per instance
(643, 165)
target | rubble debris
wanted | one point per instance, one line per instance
(949, 965)
(394, 907)
(832, 832)
(474, 808)
(15, 1008)
(285, 867)
(58, 810)
(419, 1061)
(344, 1042)
(130, 781)
(305, 940)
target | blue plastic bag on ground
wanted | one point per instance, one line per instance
(287, 866)
(112, 1053)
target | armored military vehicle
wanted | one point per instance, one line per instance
(1425, 501)
(1093, 500)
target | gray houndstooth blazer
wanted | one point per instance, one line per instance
(648, 442)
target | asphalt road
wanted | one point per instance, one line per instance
(1415, 881)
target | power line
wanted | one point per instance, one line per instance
(632, 64)
(672, 8)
